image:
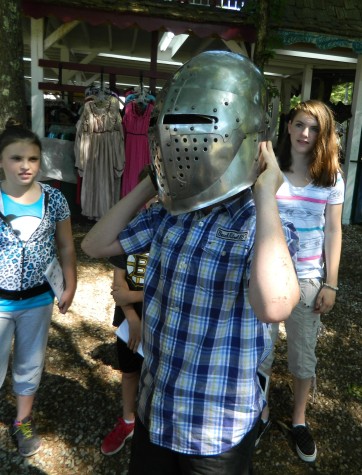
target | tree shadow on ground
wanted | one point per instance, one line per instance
(75, 407)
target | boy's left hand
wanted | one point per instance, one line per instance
(270, 176)
(121, 295)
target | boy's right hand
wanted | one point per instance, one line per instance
(134, 323)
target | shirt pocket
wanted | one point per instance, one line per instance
(222, 266)
(309, 290)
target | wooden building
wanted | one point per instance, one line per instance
(70, 44)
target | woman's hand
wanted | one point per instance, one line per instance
(66, 300)
(325, 300)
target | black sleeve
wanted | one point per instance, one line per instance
(119, 261)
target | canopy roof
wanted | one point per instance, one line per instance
(203, 21)
(325, 23)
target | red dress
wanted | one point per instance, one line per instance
(136, 122)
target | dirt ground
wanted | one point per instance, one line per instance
(79, 399)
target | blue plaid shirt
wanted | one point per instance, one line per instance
(199, 392)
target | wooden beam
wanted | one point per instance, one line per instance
(60, 33)
(92, 68)
(52, 86)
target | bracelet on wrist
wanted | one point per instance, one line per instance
(332, 287)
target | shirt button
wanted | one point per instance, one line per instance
(201, 223)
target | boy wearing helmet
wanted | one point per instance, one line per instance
(219, 268)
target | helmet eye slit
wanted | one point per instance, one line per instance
(172, 119)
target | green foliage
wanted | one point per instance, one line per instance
(271, 88)
(355, 390)
(342, 93)
(294, 101)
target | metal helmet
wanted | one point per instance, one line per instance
(205, 131)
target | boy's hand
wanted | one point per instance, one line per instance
(270, 177)
(121, 295)
(134, 323)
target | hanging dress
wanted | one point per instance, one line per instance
(99, 151)
(136, 122)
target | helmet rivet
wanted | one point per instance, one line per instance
(237, 119)
(192, 128)
(193, 108)
(226, 103)
(215, 127)
(215, 110)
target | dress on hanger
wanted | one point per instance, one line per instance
(136, 121)
(99, 151)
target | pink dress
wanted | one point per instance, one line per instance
(137, 152)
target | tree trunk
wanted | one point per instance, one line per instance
(263, 13)
(12, 83)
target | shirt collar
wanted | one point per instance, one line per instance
(240, 202)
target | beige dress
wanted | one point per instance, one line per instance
(100, 157)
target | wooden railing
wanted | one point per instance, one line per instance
(225, 4)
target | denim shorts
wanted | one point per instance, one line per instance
(302, 329)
